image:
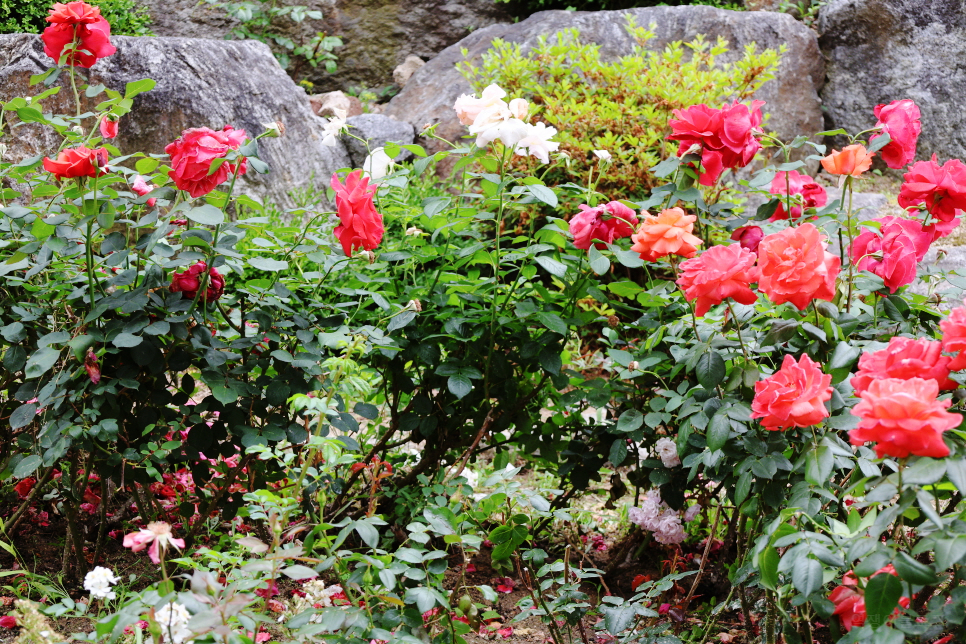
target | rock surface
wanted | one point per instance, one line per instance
(404, 72)
(199, 83)
(879, 51)
(792, 96)
(327, 104)
(377, 130)
(378, 35)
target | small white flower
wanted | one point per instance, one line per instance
(537, 142)
(377, 164)
(603, 155)
(412, 231)
(333, 127)
(667, 450)
(509, 131)
(98, 583)
(173, 619)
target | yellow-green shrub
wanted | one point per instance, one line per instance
(622, 106)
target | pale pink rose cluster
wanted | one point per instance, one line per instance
(655, 516)
(491, 118)
(667, 451)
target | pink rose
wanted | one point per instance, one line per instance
(193, 153)
(726, 136)
(794, 396)
(141, 188)
(904, 358)
(748, 237)
(604, 223)
(803, 189)
(361, 225)
(892, 252)
(941, 188)
(900, 120)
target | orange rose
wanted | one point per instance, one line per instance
(853, 160)
(793, 397)
(796, 268)
(669, 233)
(717, 274)
(903, 417)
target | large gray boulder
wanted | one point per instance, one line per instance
(378, 35)
(879, 51)
(199, 84)
(371, 131)
(792, 97)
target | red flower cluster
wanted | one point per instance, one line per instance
(361, 225)
(78, 162)
(81, 24)
(802, 188)
(941, 188)
(193, 153)
(726, 136)
(849, 600)
(719, 273)
(794, 396)
(900, 120)
(892, 252)
(603, 223)
(904, 358)
(189, 281)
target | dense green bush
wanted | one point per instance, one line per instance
(127, 18)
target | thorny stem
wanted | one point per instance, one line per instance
(738, 330)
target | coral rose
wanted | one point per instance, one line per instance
(81, 23)
(954, 337)
(852, 160)
(603, 223)
(794, 396)
(726, 136)
(189, 281)
(941, 188)
(903, 417)
(748, 237)
(802, 188)
(796, 268)
(361, 225)
(717, 274)
(904, 358)
(900, 120)
(892, 252)
(193, 153)
(668, 233)
(78, 162)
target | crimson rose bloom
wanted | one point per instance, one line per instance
(954, 337)
(903, 417)
(78, 162)
(892, 252)
(189, 282)
(361, 225)
(900, 120)
(80, 21)
(904, 358)
(941, 188)
(794, 184)
(193, 153)
(601, 223)
(793, 397)
(717, 274)
(796, 268)
(726, 136)
(669, 233)
(748, 237)
(849, 599)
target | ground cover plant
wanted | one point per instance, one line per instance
(370, 424)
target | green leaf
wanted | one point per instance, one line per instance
(267, 264)
(299, 572)
(41, 361)
(27, 466)
(598, 262)
(618, 618)
(882, 595)
(206, 215)
(544, 194)
(552, 266)
(925, 471)
(742, 488)
(134, 88)
(552, 321)
(423, 597)
(22, 416)
(367, 532)
(914, 571)
(459, 385)
(768, 568)
(818, 465)
(950, 551)
(807, 575)
(126, 340)
(719, 431)
(618, 452)
(710, 369)
(630, 420)
(387, 578)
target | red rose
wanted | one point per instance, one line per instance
(903, 417)
(794, 184)
(849, 600)
(78, 162)
(794, 396)
(8, 621)
(904, 358)
(748, 237)
(900, 120)
(92, 367)
(108, 127)
(954, 337)
(24, 487)
(796, 268)
(361, 225)
(189, 282)
(941, 188)
(719, 273)
(725, 136)
(193, 153)
(81, 23)
(604, 223)
(892, 252)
